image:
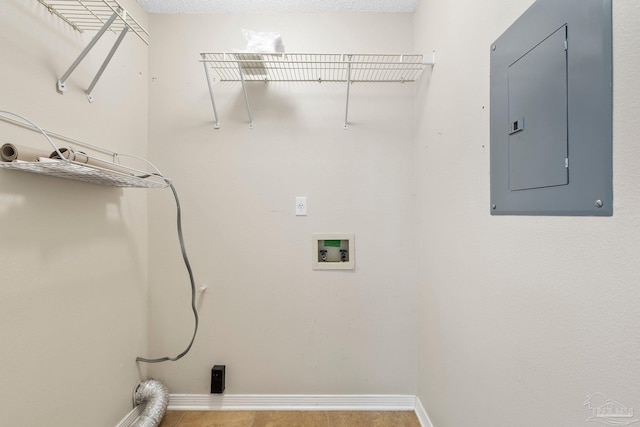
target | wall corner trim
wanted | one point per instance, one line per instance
(132, 417)
(422, 415)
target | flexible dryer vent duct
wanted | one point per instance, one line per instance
(156, 395)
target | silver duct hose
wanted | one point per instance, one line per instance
(156, 395)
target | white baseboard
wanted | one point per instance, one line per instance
(270, 402)
(422, 415)
(131, 417)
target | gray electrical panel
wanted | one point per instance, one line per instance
(551, 111)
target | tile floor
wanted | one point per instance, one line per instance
(290, 419)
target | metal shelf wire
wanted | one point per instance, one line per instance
(95, 168)
(91, 15)
(310, 67)
(99, 16)
(81, 172)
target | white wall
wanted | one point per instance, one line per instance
(277, 325)
(520, 317)
(73, 255)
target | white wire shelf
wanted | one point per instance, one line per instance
(91, 15)
(82, 172)
(92, 164)
(310, 67)
(99, 16)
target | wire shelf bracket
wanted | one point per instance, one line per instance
(92, 15)
(246, 67)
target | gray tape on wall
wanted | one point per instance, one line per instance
(156, 395)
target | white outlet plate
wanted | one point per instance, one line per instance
(301, 206)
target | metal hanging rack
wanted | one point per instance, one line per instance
(94, 15)
(97, 165)
(310, 67)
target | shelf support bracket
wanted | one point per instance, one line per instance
(346, 113)
(213, 102)
(62, 85)
(106, 62)
(246, 98)
(432, 62)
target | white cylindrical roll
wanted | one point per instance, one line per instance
(80, 157)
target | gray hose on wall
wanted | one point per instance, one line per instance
(156, 395)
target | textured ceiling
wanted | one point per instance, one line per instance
(276, 6)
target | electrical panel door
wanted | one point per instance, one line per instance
(538, 116)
